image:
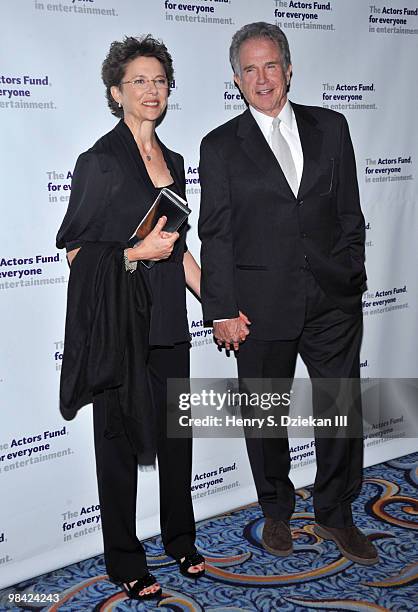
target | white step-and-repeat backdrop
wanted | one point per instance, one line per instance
(355, 57)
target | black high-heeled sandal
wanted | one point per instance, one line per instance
(133, 592)
(189, 561)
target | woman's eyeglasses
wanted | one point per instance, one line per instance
(141, 83)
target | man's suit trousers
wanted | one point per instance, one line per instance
(329, 344)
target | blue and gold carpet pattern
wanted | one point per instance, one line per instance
(242, 577)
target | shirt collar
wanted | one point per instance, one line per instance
(286, 115)
(265, 122)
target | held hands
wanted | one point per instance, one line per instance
(232, 332)
(157, 245)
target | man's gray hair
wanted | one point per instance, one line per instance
(259, 29)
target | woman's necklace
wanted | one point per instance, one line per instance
(147, 155)
(143, 152)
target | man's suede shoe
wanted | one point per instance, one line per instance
(353, 544)
(277, 538)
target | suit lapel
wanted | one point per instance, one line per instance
(258, 150)
(311, 141)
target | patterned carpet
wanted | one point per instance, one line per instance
(241, 576)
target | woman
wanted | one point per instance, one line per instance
(132, 333)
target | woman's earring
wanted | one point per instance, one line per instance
(120, 105)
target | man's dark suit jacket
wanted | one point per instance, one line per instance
(257, 237)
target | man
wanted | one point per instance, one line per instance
(283, 270)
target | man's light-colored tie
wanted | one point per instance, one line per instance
(284, 156)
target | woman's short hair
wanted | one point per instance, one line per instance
(123, 52)
(259, 29)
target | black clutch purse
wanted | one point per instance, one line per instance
(166, 204)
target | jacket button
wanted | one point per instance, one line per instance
(300, 202)
(304, 235)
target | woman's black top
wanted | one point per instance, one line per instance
(111, 192)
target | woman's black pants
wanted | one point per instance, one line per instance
(117, 473)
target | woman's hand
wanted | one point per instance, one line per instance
(156, 246)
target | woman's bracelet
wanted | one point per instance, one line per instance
(130, 266)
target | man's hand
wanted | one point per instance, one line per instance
(231, 332)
